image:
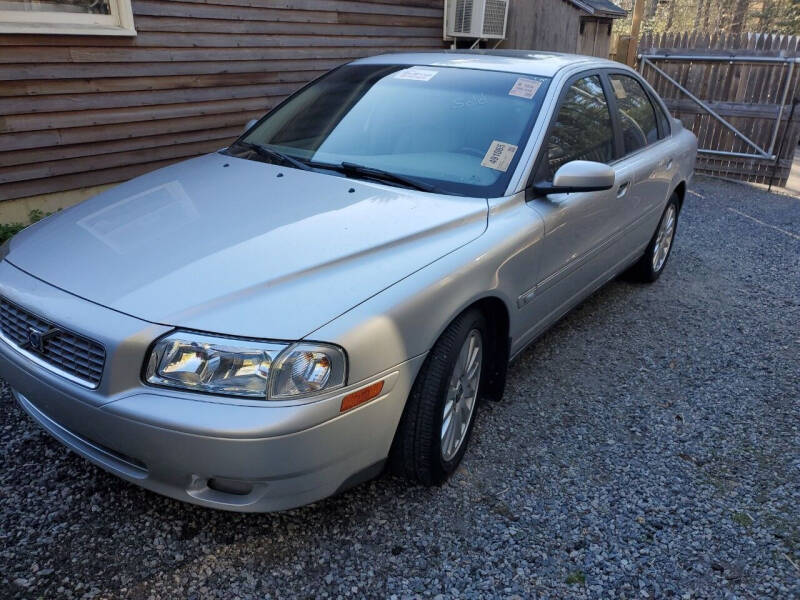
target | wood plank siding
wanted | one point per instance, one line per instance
(543, 26)
(78, 111)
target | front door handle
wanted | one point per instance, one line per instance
(622, 189)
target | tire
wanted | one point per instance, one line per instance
(419, 452)
(650, 266)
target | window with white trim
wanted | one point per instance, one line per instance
(76, 17)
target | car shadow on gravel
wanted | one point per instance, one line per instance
(646, 446)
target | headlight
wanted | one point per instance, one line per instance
(217, 365)
(306, 369)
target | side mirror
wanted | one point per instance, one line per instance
(249, 124)
(578, 176)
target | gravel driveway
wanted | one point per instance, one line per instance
(647, 447)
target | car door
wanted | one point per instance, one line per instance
(646, 166)
(579, 227)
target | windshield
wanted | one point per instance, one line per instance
(458, 131)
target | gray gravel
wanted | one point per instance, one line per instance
(647, 447)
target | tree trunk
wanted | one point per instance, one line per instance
(699, 14)
(636, 24)
(739, 17)
(670, 14)
(764, 16)
(706, 15)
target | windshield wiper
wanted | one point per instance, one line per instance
(347, 168)
(350, 169)
(275, 155)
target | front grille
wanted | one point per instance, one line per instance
(68, 352)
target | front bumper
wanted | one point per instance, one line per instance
(216, 452)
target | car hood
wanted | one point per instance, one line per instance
(238, 247)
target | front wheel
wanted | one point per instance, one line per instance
(440, 412)
(650, 266)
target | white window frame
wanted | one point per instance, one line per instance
(119, 22)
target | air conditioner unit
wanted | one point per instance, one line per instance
(476, 19)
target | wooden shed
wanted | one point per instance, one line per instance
(577, 26)
(109, 89)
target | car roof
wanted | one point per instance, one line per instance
(530, 62)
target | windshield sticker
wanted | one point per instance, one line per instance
(525, 88)
(619, 89)
(416, 74)
(499, 156)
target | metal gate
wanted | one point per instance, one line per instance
(739, 94)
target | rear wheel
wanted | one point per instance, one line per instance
(435, 428)
(650, 266)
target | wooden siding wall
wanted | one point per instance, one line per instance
(596, 37)
(550, 25)
(79, 111)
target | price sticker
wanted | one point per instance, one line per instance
(499, 156)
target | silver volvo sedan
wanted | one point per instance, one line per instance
(336, 292)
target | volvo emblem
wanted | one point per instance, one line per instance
(37, 338)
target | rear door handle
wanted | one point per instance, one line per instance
(622, 189)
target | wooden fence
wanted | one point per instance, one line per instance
(748, 95)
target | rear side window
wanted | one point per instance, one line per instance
(636, 112)
(582, 129)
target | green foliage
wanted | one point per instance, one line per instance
(576, 578)
(8, 230)
(36, 215)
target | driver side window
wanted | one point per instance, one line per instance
(582, 129)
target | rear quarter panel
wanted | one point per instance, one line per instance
(686, 143)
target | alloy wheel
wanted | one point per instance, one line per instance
(462, 395)
(666, 232)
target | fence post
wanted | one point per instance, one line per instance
(638, 9)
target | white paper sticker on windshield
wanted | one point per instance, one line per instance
(525, 88)
(416, 74)
(499, 156)
(619, 89)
